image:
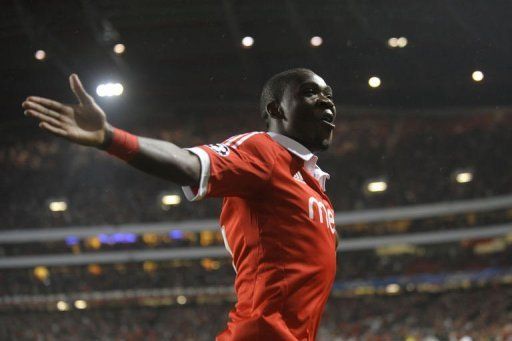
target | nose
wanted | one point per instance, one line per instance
(325, 102)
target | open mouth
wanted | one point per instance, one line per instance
(328, 118)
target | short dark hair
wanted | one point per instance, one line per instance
(273, 89)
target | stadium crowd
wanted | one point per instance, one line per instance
(177, 238)
(355, 265)
(471, 314)
(415, 154)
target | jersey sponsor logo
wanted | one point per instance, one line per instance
(220, 149)
(323, 213)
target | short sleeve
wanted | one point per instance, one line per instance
(240, 166)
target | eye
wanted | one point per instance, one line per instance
(309, 92)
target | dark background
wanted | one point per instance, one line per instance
(185, 57)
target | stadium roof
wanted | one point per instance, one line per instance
(190, 52)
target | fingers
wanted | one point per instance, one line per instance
(44, 118)
(52, 129)
(78, 89)
(46, 102)
(50, 120)
(30, 104)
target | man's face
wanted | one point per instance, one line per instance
(309, 112)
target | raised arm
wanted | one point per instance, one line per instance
(85, 123)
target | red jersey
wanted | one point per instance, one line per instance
(278, 225)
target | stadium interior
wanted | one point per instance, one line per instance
(420, 164)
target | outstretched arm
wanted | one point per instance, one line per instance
(85, 123)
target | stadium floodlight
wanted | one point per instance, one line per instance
(401, 42)
(463, 176)
(119, 48)
(171, 199)
(247, 42)
(392, 288)
(316, 41)
(181, 299)
(40, 55)
(374, 82)
(376, 186)
(80, 304)
(110, 89)
(58, 206)
(393, 42)
(477, 76)
(62, 306)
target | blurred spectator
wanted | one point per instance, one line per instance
(144, 241)
(477, 314)
(416, 154)
(360, 265)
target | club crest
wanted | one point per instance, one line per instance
(220, 149)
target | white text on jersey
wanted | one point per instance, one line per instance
(323, 213)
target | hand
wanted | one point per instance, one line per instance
(84, 123)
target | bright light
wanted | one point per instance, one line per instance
(119, 48)
(374, 82)
(41, 273)
(401, 42)
(40, 55)
(109, 90)
(393, 42)
(397, 42)
(172, 199)
(316, 41)
(58, 206)
(392, 288)
(463, 177)
(377, 186)
(80, 304)
(248, 41)
(477, 76)
(62, 306)
(181, 299)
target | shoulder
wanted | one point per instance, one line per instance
(242, 141)
(256, 143)
(249, 142)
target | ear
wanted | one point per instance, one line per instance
(274, 110)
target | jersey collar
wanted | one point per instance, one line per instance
(305, 154)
